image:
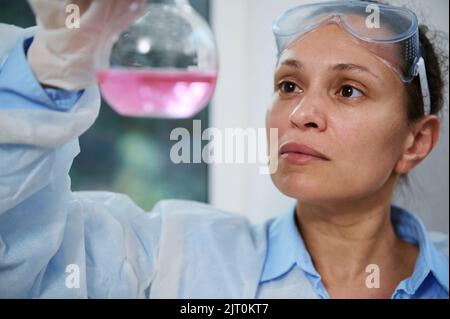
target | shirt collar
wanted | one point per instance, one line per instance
(286, 248)
(430, 262)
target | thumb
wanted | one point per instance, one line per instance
(112, 16)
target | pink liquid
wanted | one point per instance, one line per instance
(157, 93)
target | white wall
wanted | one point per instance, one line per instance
(247, 57)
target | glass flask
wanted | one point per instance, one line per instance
(163, 66)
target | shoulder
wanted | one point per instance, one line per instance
(190, 209)
(185, 216)
(199, 214)
(440, 241)
(438, 254)
(187, 228)
(203, 222)
(409, 225)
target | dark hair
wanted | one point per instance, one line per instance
(436, 64)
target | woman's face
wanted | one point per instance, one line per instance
(336, 97)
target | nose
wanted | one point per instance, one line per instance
(308, 113)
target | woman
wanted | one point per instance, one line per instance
(354, 114)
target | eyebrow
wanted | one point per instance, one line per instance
(352, 67)
(292, 63)
(337, 67)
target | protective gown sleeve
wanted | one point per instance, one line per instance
(55, 243)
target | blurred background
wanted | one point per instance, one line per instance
(132, 155)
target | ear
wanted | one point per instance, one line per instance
(420, 142)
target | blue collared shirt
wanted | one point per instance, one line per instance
(287, 254)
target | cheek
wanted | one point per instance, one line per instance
(277, 118)
(369, 148)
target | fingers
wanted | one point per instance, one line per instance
(112, 16)
(83, 5)
(49, 14)
(132, 11)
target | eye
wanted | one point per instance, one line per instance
(349, 91)
(288, 87)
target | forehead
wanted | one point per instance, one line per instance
(330, 44)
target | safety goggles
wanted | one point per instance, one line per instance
(391, 33)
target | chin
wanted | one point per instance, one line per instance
(303, 188)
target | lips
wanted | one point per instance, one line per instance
(301, 152)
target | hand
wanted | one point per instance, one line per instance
(66, 57)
